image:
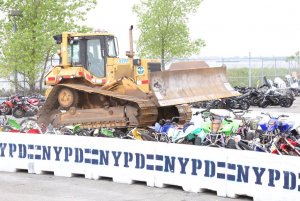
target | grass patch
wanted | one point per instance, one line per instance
(240, 76)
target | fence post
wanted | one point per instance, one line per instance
(289, 67)
(262, 71)
(275, 67)
(249, 69)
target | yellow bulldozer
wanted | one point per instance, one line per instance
(93, 87)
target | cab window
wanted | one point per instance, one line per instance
(95, 61)
(111, 50)
(73, 53)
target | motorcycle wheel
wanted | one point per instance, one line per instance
(260, 102)
(250, 136)
(29, 123)
(231, 144)
(264, 104)
(217, 105)
(7, 109)
(18, 113)
(288, 102)
(67, 132)
(199, 104)
(244, 105)
(254, 101)
(147, 137)
(198, 141)
(83, 133)
(243, 146)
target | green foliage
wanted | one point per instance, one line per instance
(164, 31)
(28, 49)
(296, 56)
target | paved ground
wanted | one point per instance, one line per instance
(24, 186)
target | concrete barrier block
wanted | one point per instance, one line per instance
(123, 160)
(17, 152)
(193, 168)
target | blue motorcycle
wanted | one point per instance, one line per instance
(274, 125)
(270, 130)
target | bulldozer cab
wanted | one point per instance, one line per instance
(89, 51)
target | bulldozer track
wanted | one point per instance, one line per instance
(147, 108)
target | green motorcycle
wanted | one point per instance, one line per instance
(219, 130)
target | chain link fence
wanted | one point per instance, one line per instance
(251, 70)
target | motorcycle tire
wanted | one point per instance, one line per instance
(18, 113)
(6, 129)
(249, 136)
(198, 141)
(7, 109)
(244, 105)
(231, 144)
(118, 134)
(216, 104)
(147, 137)
(31, 121)
(67, 132)
(260, 102)
(243, 146)
(199, 104)
(264, 104)
(291, 153)
(288, 102)
(254, 101)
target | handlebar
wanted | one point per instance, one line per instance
(267, 114)
(176, 118)
(197, 113)
(272, 116)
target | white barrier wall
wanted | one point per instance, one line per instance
(229, 172)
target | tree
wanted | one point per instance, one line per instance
(296, 56)
(164, 30)
(29, 49)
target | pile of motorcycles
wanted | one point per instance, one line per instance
(276, 136)
(18, 105)
(261, 97)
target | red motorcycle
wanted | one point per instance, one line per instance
(22, 107)
(10, 103)
(36, 100)
(286, 144)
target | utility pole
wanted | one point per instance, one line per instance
(15, 13)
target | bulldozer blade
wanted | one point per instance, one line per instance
(188, 65)
(173, 87)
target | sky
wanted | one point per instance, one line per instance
(230, 28)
